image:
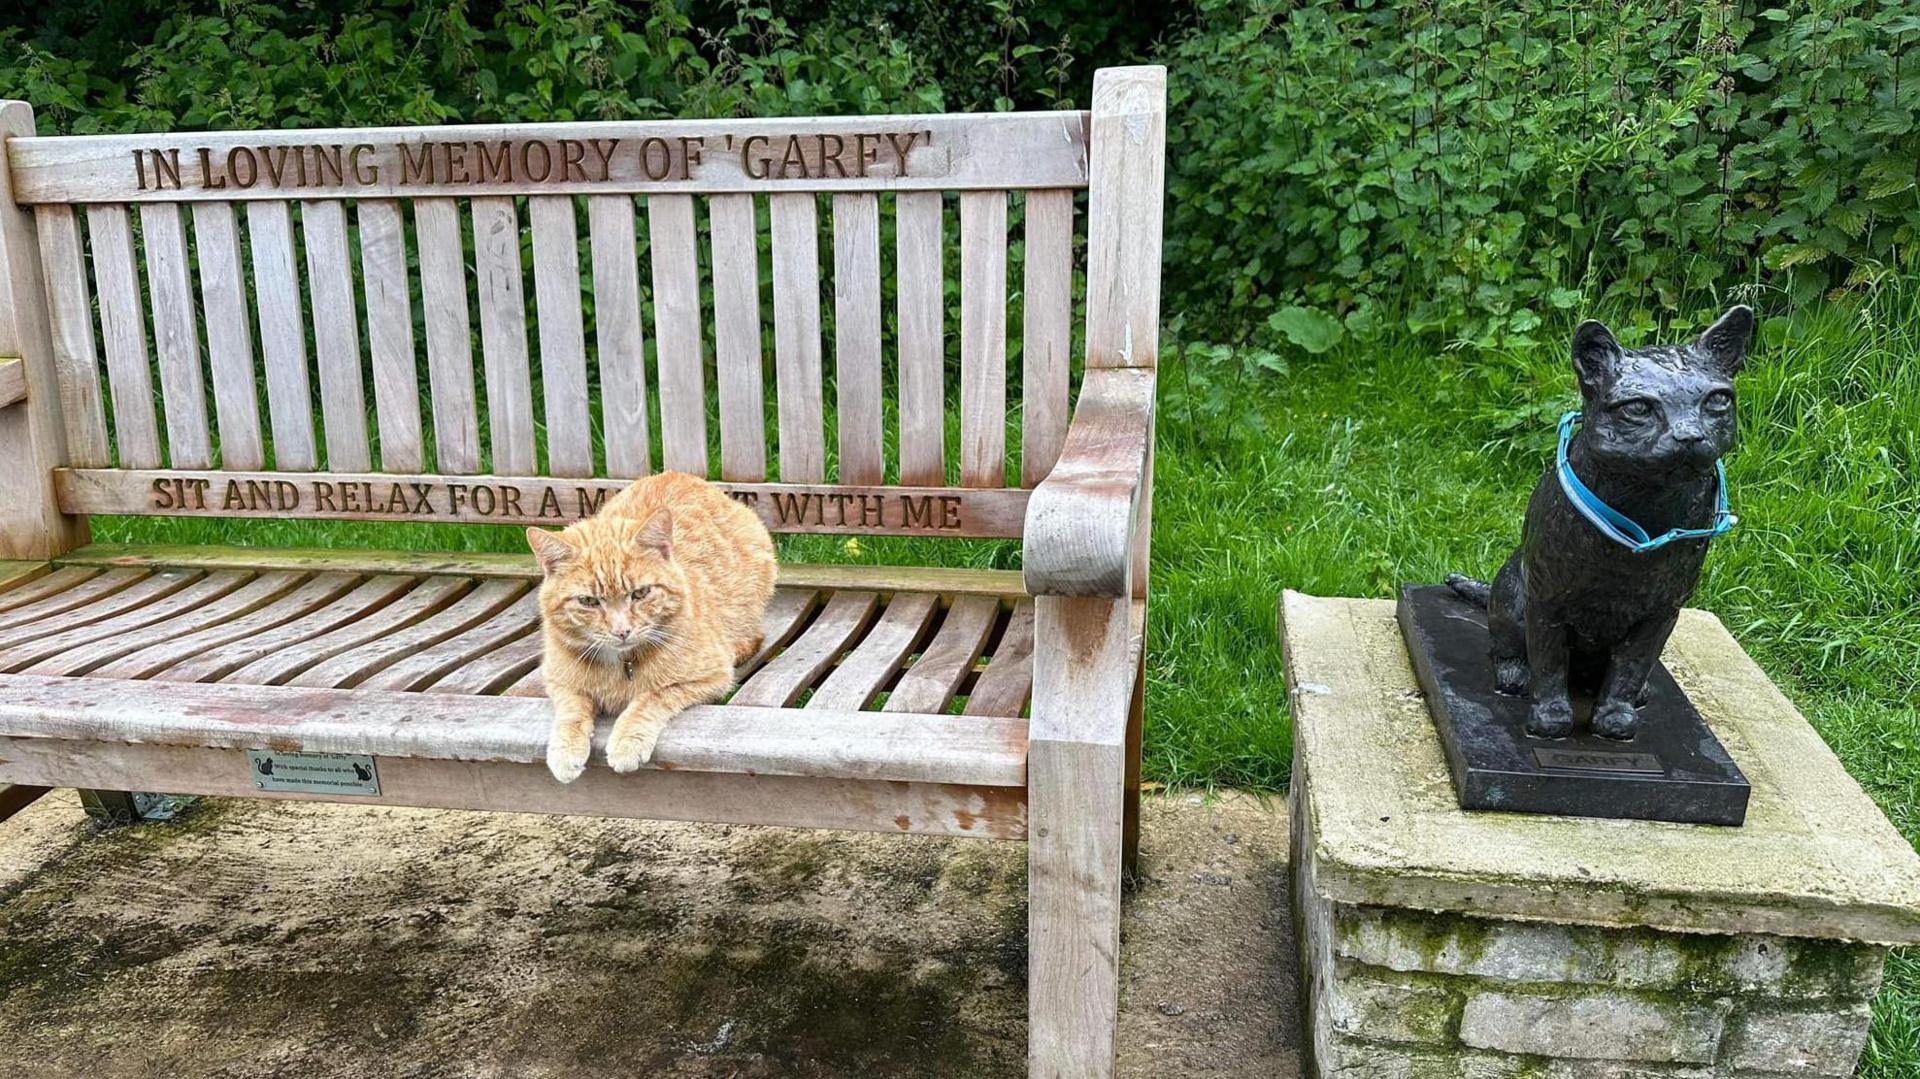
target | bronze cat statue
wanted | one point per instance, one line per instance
(1617, 530)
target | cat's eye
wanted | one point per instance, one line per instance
(1719, 401)
(587, 601)
(640, 593)
(1637, 410)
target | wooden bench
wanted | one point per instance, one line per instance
(502, 325)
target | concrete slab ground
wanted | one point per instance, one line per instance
(253, 939)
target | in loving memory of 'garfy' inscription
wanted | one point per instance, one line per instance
(345, 167)
(483, 500)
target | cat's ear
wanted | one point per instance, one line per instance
(1596, 354)
(1724, 343)
(551, 548)
(657, 533)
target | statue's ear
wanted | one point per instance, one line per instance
(1596, 355)
(1724, 343)
(551, 548)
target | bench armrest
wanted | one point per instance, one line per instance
(13, 382)
(1081, 518)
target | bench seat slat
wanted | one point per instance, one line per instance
(930, 683)
(156, 600)
(195, 612)
(498, 670)
(314, 592)
(1004, 688)
(781, 681)
(473, 645)
(21, 589)
(867, 669)
(80, 605)
(785, 615)
(349, 668)
(213, 664)
(705, 738)
(422, 601)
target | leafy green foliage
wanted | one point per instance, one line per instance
(1465, 167)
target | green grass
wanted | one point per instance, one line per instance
(1370, 466)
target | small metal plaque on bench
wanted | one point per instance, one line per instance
(313, 773)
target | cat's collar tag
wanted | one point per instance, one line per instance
(1617, 526)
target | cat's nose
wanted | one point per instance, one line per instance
(1689, 434)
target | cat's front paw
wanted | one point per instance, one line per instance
(1616, 720)
(627, 752)
(1552, 718)
(567, 758)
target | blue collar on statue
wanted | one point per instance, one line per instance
(1617, 526)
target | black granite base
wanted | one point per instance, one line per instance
(1674, 770)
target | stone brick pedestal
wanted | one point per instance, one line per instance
(1441, 944)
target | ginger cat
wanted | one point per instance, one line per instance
(646, 608)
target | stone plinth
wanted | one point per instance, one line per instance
(1442, 944)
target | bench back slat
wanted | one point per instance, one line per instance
(336, 335)
(123, 335)
(920, 273)
(796, 336)
(396, 373)
(503, 334)
(563, 344)
(857, 344)
(176, 336)
(223, 292)
(983, 338)
(676, 332)
(449, 331)
(70, 309)
(1046, 348)
(283, 335)
(618, 336)
(734, 248)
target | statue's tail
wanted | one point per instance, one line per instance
(1474, 591)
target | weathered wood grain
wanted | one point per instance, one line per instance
(1046, 332)
(786, 801)
(876, 659)
(364, 496)
(796, 337)
(676, 333)
(1082, 522)
(154, 600)
(212, 664)
(983, 338)
(919, 271)
(856, 335)
(1124, 200)
(283, 337)
(353, 666)
(1004, 687)
(954, 152)
(739, 365)
(313, 593)
(929, 684)
(618, 336)
(176, 336)
(15, 574)
(13, 382)
(496, 670)
(336, 335)
(563, 345)
(437, 660)
(503, 334)
(424, 600)
(75, 353)
(212, 602)
(23, 586)
(449, 328)
(782, 679)
(223, 293)
(79, 603)
(123, 336)
(396, 373)
(786, 615)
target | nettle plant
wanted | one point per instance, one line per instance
(1468, 168)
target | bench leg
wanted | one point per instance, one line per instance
(115, 809)
(1076, 778)
(1136, 724)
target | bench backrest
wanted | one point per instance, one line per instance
(503, 323)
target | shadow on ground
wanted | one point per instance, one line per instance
(254, 939)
